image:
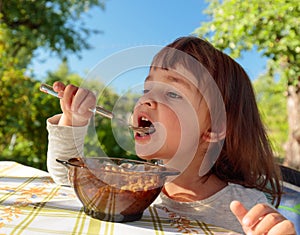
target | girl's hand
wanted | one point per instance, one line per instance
(262, 219)
(75, 103)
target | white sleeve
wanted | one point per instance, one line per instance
(64, 142)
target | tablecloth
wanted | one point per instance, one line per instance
(31, 203)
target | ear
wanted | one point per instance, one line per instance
(213, 137)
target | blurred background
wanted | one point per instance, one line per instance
(49, 40)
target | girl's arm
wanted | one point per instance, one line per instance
(67, 130)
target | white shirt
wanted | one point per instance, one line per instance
(215, 209)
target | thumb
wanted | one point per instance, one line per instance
(238, 210)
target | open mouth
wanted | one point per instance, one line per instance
(147, 128)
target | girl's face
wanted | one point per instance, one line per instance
(174, 106)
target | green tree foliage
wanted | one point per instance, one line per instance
(272, 106)
(55, 25)
(23, 136)
(272, 28)
(25, 26)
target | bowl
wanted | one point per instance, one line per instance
(116, 189)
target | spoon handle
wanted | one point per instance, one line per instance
(98, 109)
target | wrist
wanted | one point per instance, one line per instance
(71, 121)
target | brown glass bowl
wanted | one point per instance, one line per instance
(115, 189)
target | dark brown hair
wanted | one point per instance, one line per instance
(246, 157)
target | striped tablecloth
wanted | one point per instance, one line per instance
(31, 203)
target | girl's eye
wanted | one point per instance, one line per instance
(174, 95)
(145, 91)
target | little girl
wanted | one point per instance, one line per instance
(203, 109)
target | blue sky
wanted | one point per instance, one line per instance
(130, 23)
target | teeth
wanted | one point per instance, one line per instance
(144, 119)
(142, 134)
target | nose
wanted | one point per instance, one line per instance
(148, 102)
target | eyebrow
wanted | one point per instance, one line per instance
(173, 79)
(180, 81)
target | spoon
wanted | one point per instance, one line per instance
(100, 110)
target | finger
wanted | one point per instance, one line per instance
(79, 101)
(266, 223)
(238, 210)
(69, 93)
(256, 214)
(88, 103)
(284, 227)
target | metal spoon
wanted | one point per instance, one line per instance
(100, 110)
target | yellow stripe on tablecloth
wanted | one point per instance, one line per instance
(154, 215)
(94, 226)
(92, 229)
(35, 212)
(204, 228)
(82, 226)
(160, 224)
(109, 228)
(7, 168)
(81, 217)
(7, 195)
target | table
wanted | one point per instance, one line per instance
(31, 203)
